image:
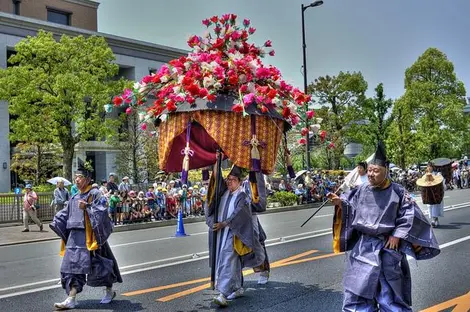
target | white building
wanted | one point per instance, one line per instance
(20, 18)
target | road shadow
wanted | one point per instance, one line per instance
(115, 305)
(277, 297)
(452, 225)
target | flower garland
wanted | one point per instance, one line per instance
(222, 61)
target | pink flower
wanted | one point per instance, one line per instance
(146, 79)
(226, 17)
(193, 41)
(128, 111)
(263, 73)
(331, 145)
(143, 126)
(272, 53)
(304, 131)
(248, 99)
(268, 44)
(246, 22)
(295, 119)
(127, 96)
(206, 22)
(302, 141)
(251, 30)
(236, 35)
(310, 114)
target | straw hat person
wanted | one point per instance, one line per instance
(433, 188)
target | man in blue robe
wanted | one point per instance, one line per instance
(237, 244)
(379, 224)
(84, 226)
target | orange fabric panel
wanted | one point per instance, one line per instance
(230, 130)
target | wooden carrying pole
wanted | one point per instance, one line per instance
(216, 217)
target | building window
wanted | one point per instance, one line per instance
(16, 7)
(59, 17)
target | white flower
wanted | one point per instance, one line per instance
(242, 78)
(176, 89)
(208, 81)
(164, 78)
(251, 87)
(217, 85)
(137, 85)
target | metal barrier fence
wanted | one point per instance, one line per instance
(11, 207)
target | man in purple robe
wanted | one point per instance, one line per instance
(234, 228)
(84, 226)
(379, 224)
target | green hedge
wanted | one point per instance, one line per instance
(284, 198)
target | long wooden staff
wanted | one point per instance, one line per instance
(216, 217)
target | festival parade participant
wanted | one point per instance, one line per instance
(84, 227)
(379, 224)
(433, 188)
(255, 188)
(238, 244)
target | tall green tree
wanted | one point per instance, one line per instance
(401, 140)
(374, 116)
(340, 97)
(64, 84)
(436, 98)
(137, 149)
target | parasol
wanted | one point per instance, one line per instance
(56, 180)
(218, 100)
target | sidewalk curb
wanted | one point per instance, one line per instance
(157, 224)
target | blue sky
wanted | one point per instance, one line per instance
(377, 37)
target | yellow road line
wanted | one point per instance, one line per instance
(459, 304)
(149, 290)
(295, 259)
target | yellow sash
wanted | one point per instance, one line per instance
(240, 248)
(337, 231)
(91, 243)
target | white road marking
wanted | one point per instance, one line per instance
(203, 255)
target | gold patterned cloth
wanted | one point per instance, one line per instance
(231, 131)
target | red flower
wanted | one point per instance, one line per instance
(233, 18)
(246, 22)
(264, 109)
(237, 108)
(206, 22)
(190, 99)
(331, 145)
(302, 141)
(117, 100)
(211, 97)
(143, 126)
(156, 79)
(285, 112)
(214, 19)
(193, 41)
(272, 53)
(310, 114)
(304, 131)
(268, 44)
(233, 80)
(251, 30)
(193, 89)
(203, 92)
(272, 94)
(128, 111)
(217, 30)
(171, 106)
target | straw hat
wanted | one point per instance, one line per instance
(429, 180)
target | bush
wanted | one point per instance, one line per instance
(284, 198)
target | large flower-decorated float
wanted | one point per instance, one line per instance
(220, 95)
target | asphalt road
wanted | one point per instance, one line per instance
(162, 273)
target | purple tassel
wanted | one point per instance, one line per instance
(205, 175)
(291, 172)
(184, 177)
(256, 165)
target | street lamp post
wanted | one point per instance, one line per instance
(304, 50)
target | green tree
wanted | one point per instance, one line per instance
(63, 86)
(340, 97)
(137, 149)
(374, 121)
(436, 99)
(401, 141)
